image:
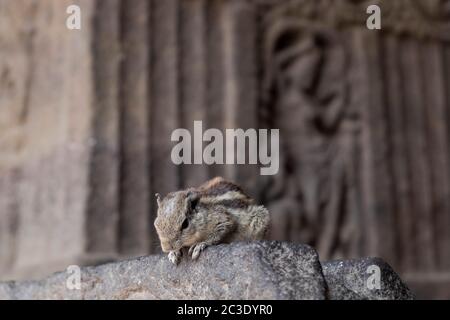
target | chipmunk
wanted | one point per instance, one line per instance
(216, 212)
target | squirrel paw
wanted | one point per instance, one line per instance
(196, 249)
(175, 257)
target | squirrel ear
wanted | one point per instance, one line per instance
(158, 199)
(192, 199)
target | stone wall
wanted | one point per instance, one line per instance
(45, 136)
(86, 118)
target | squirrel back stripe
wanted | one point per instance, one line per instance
(228, 203)
(219, 186)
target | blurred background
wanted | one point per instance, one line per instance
(86, 117)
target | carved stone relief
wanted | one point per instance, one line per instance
(307, 96)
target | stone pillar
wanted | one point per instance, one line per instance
(135, 197)
(103, 204)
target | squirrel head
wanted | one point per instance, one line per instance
(174, 222)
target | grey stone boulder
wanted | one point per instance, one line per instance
(256, 270)
(357, 280)
(253, 270)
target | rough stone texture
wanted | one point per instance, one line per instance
(257, 270)
(348, 280)
(264, 270)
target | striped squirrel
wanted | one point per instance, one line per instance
(216, 212)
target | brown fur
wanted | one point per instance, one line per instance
(218, 211)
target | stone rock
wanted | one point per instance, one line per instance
(256, 270)
(348, 280)
(252, 270)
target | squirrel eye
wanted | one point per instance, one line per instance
(185, 224)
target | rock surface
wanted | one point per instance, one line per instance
(257, 270)
(358, 279)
